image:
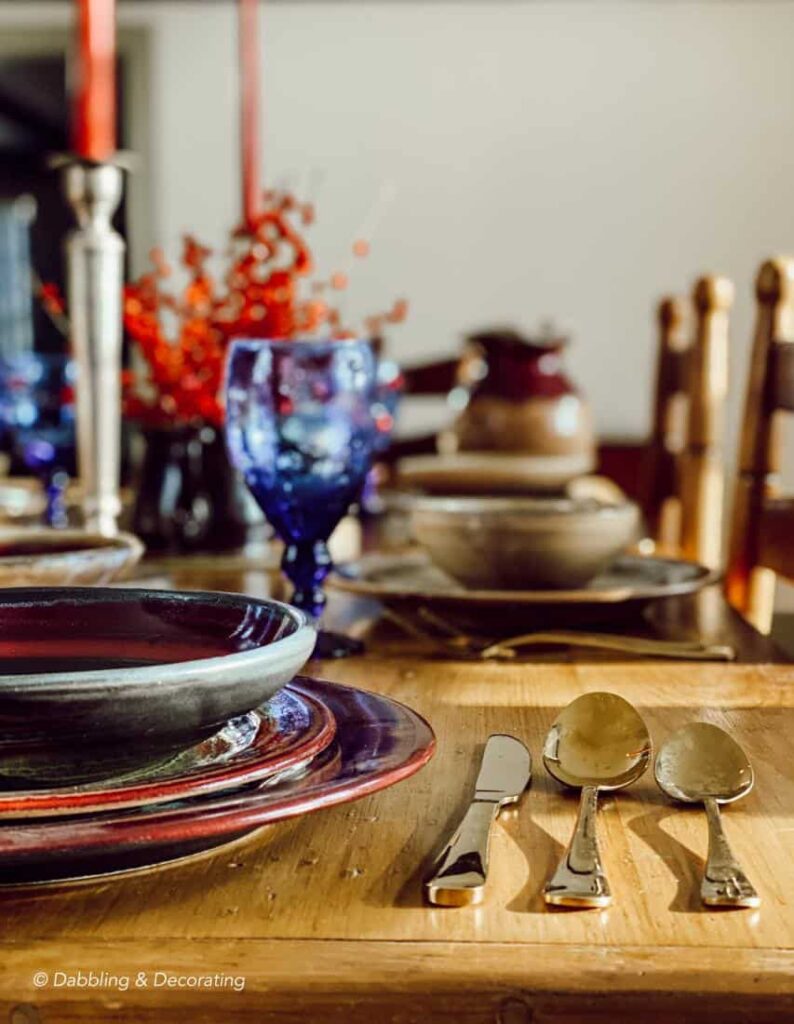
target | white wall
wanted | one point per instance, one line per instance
(549, 159)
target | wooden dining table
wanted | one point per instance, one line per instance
(321, 918)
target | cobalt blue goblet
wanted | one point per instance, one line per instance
(299, 426)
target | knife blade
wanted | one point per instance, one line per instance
(461, 870)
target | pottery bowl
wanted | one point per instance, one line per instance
(96, 682)
(523, 543)
(42, 557)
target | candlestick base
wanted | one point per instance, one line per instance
(95, 278)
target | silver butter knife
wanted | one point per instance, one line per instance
(461, 870)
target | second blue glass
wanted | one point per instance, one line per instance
(37, 422)
(299, 426)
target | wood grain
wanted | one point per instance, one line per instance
(323, 916)
(414, 983)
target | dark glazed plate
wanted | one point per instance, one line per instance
(378, 743)
(277, 740)
(96, 682)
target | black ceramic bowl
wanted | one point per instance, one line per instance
(96, 682)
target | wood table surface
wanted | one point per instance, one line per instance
(323, 917)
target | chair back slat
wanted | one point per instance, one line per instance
(782, 377)
(667, 425)
(776, 537)
(684, 465)
(759, 544)
(701, 463)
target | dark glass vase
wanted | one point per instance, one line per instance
(189, 499)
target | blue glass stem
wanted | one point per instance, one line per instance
(55, 514)
(306, 566)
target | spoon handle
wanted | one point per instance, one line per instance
(579, 881)
(724, 883)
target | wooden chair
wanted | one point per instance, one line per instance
(684, 468)
(762, 528)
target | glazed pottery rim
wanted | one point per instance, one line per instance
(163, 783)
(159, 674)
(85, 543)
(520, 505)
(318, 345)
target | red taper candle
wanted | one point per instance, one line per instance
(249, 110)
(94, 104)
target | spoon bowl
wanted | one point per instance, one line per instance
(701, 763)
(598, 742)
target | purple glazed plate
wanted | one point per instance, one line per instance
(378, 743)
(282, 737)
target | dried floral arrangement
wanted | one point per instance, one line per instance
(266, 292)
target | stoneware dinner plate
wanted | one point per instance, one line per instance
(278, 739)
(378, 743)
(96, 682)
(410, 582)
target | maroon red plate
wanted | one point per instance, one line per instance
(378, 743)
(281, 737)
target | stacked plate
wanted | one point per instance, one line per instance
(497, 544)
(143, 726)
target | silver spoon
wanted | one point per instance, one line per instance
(701, 763)
(598, 742)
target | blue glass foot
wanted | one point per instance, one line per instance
(336, 645)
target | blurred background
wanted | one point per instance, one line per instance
(531, 164)
(524, 161)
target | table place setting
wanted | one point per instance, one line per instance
(384, 716)
(156, 718)
(608, 611)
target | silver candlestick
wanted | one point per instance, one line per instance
(95, 278)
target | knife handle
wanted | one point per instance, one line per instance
(461, 870)
(579, 881)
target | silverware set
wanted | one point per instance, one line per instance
(599, 743)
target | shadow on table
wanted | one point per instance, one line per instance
(546, 852)
(684, 865)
